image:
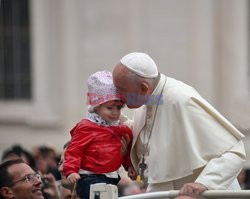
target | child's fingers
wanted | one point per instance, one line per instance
(78, 177)
(74, 177)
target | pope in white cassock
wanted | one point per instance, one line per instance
(180, 141)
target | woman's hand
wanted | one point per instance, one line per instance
(125, 141)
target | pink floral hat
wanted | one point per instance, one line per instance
(101, 89)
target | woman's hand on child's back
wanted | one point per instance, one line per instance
(125, 140)
(73, 178)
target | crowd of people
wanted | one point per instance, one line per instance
(45, 161)
(176, 141)
(48, 164)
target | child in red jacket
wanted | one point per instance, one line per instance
(94, 154)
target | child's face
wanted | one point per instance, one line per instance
(108, 111)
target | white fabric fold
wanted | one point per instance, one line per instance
(187, 134)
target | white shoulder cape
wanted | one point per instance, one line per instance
(188, 132)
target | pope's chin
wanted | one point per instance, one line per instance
(131, 106)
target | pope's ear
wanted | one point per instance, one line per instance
(144, 88)
(6, 192)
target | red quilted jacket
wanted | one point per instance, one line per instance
(96, 148)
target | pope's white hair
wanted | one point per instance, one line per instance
(133, 77)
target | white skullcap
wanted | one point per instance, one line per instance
(141, 64)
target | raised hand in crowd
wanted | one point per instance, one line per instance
(50, 188)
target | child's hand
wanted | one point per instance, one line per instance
(132, 173)
(73, 178)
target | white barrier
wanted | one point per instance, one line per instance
(103, 191)
(108, 191)
(205, 194)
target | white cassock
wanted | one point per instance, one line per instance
(190, 141)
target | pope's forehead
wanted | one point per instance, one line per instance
(120, 68)
(120, 73)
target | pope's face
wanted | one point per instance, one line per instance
(128, 89)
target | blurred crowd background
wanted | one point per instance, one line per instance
(48, 49)
(47, 161)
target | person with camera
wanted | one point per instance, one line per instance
(49, 188)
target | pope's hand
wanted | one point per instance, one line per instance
(193, 188)
(132, 173)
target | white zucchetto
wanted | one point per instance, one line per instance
(141, 64)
